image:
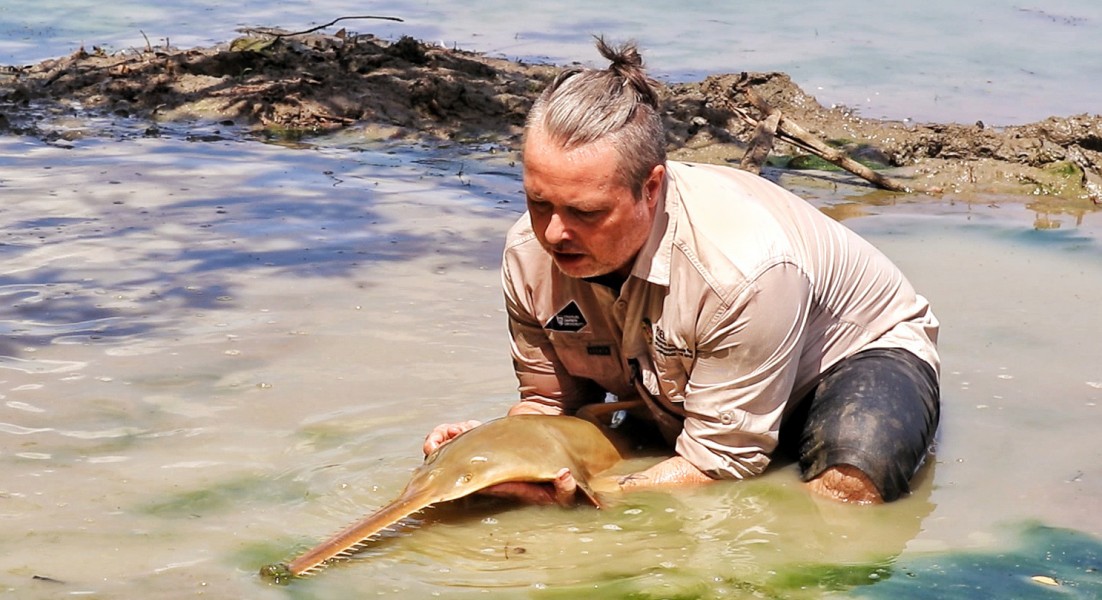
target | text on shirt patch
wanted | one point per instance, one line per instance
(570, 319)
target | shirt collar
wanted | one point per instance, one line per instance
(654, 259)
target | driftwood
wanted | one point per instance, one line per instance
(281, 34)
(765, 131)
(774, 124)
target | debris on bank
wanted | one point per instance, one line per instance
(296, 85)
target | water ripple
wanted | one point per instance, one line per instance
(117, 432)
(33, 328)
(24, 406)
(111, 433)
(40, 366)
(20, 430)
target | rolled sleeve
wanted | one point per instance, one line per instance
(743, 375)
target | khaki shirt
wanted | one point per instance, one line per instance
(741, 298)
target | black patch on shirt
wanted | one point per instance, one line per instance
(598, 350)
(570, 318)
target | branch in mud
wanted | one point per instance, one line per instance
(775, 125)
(283, 34)
(1092, 182)
(758, 151)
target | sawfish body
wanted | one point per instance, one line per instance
(529, 448)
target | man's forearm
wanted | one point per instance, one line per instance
(673, 471)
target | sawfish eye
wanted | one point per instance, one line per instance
(464, 478)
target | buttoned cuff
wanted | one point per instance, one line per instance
(734, 455)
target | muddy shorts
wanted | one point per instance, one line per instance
(876, 410)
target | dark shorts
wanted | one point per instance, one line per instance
(876, 410)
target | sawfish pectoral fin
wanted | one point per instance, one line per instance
(596, 490)
(590, 494)
(602, 490)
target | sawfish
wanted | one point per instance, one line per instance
(530, 448)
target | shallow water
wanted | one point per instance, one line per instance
(1003, 62)
(215, 354)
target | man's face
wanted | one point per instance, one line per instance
(583, 216)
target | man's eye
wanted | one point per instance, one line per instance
(587, 215)
(538, 206)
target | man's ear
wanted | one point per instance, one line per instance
(652, 188)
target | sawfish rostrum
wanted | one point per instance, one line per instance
(532, 448)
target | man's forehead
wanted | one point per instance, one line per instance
(539, 143)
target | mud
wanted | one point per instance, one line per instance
(306, 85)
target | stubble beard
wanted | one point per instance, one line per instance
(587, 266)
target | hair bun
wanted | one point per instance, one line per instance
(627, 63)
(625, 60)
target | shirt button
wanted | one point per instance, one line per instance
(726, 418)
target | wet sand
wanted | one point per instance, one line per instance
(217, 353)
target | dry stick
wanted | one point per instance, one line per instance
(148, 46)
(334, 22)
(742, 114)
(789, 131)
(758, 152)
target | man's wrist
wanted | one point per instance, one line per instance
(533, 408)
(676, 470)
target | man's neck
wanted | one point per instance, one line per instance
(614, 280)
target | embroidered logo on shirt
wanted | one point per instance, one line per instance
(570, 318)
(656, 337)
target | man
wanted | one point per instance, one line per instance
(743, 317)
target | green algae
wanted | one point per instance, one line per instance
(1047, 562)
(223, 496)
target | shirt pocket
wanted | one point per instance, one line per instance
(590, 357)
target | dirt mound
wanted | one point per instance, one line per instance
(299, 86)
(304, 84)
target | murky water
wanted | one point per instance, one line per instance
(214, 354)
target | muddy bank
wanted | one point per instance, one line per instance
(302, 85)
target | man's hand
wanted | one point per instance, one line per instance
(560, 491)
(442, 434)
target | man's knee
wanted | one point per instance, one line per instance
(846, 483)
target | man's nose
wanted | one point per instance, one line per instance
(556, 230)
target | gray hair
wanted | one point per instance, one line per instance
(618, 104)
